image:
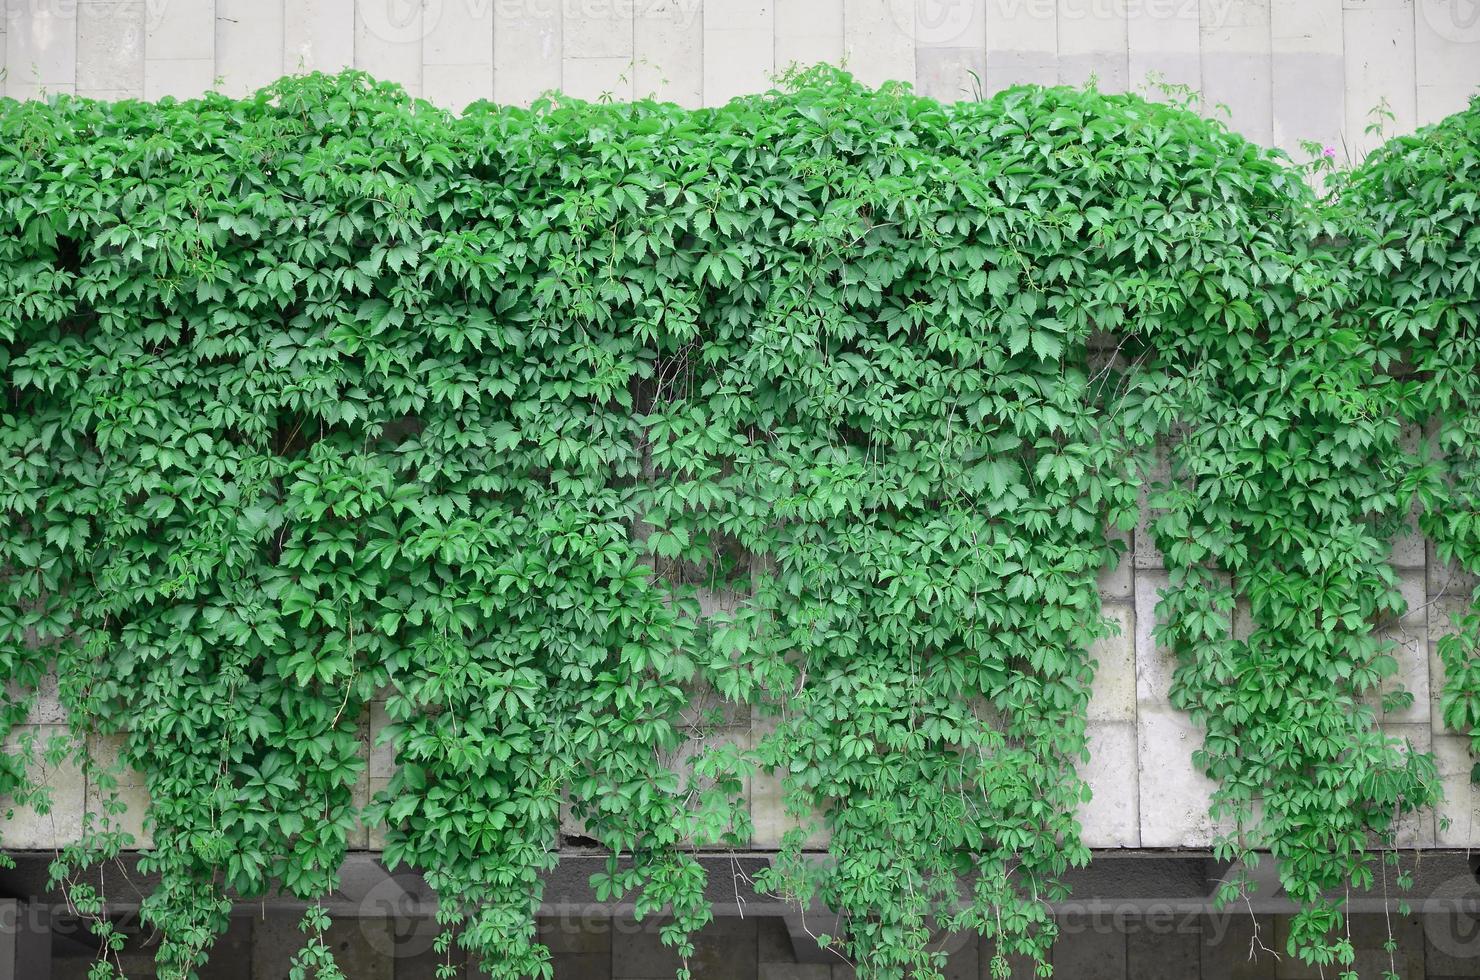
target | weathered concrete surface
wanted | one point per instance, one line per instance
(54, 817)
(1287, 70)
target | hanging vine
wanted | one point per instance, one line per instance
(326, 398)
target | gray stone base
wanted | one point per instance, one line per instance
(1133, 916)
(1166, 946)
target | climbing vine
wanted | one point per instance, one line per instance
(1285, 491)
(1419, 243)
(326, 401)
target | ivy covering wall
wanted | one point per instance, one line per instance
(326, 393)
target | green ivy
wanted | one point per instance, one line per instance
(1419, 249)
(326, 395)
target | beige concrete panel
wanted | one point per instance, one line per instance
(250, 43)
(808, 32)
(951, 74)
(1174, 793)
(1414, 829)
(40, 48)
(130, 790)
(24, 827)
(1112, 816)
(110, 48)
(1457, 818)
(1410, 649)
(1165, 45)
(1442, 617)
(527, 51)
(1446, 57)
(668, 40)
(457, 32)
(739, 47)
(596, 79)
(1309, 75)
(318, 35)
(180, 78)
(1155, 664)
(388, 40)
(1114, 694)
(1378, 44)
(185, 29)
(1022, 43)
(456, 86)
(1118, 582)
(879, 40)
(1236, 64)
(1094, 44)
(951, 48)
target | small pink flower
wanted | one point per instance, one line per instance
(1329, 153)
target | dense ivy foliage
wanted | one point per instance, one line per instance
(1287, 486)
(325, 396)
(1418, 245)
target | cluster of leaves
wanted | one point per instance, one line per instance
(1415, 207)
(313, 400)
(1310, 446)
(1284, 491)
(326, 396)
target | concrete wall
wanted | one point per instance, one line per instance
(1287, 70)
